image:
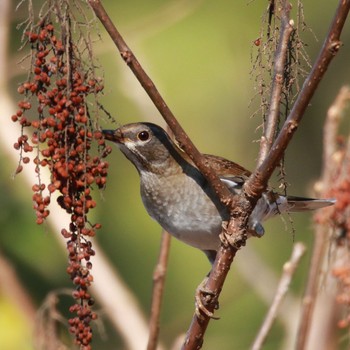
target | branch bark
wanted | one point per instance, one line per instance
(184, 141)
(271, 123)
(258, 181)
(240, 208)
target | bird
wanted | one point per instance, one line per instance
(177, 195)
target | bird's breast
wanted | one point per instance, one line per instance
(182, 208)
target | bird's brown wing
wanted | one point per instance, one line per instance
(225, 167)
(227, 170)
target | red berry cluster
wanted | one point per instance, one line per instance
(62, 139)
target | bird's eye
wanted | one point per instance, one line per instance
(143, 135)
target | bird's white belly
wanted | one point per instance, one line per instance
(185, 211)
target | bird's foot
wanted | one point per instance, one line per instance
(203, 298)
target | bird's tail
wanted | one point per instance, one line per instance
(266, 208)
(297, 204)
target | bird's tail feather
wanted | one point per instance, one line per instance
(304, 204)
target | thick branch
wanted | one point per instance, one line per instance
(184, 141)
(218, 273)
(257, 183)
(186, 144)
(240, 209)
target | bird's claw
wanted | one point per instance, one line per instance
(202, 298)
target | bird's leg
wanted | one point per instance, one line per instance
(203, 298)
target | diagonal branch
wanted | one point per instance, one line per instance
(184, 141)
(240, 208)
(258, 181)
(289, 269)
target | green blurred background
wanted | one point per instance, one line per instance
(199, 56)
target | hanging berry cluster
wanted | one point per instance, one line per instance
(59, 87)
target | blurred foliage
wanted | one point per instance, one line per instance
(199, 56)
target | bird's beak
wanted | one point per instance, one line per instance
(113, 135)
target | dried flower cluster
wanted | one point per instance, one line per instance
(341, 213)
(340, 218)
(59, 87)
(342, 273)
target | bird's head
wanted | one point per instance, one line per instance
(147, 146)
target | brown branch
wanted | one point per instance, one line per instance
(184, 141)
(258, 181)
(321, 244)
(282, 289)
(217, 276)
(271, 123)
(241, 208)
(158, 289)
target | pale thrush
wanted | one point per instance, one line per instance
(178, 196)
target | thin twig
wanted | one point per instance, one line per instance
(309, 298)
(288, 313)
(158, 289)
(288, 271)
(271, 124)
(258, 181)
